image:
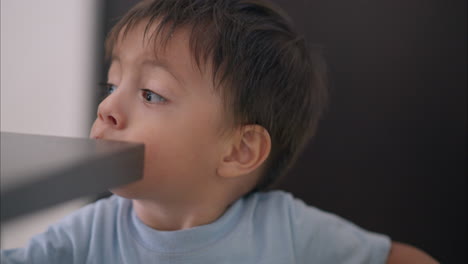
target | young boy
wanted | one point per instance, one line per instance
(224, 95)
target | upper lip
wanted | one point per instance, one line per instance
(96, 133)
(95, 136)
(103, 137)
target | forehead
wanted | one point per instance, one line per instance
(137, 52)
(180, 50)
(143, 41)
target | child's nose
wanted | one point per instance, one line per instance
(110, 112)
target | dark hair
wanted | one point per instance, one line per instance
(269, 76)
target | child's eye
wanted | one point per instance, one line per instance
(152, 97)
(108, 88)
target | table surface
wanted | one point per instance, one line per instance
(39, 171)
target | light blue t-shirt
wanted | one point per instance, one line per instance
(271, 227)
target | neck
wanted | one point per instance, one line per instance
(178, 216)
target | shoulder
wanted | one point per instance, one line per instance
(284, 214)
(277, 199)
(86, 222)
(287, 207)
(95, 221)
(316, 234)
(101, 210)
(71, 239)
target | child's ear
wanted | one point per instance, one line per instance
(248, 149)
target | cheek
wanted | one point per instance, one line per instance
(188, 147)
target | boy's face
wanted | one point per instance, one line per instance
(168, 104)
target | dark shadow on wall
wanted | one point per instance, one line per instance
(390, 154)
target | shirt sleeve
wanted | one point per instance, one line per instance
(52, 246)
(63, 242)
(327, 238)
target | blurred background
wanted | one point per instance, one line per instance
(48, 80)
(390, 153)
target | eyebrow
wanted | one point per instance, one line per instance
(159, 64)
(164, 65)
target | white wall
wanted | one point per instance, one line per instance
(47, 71)
(47, 83)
